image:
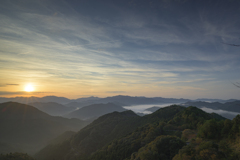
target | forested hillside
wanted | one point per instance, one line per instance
(127, 136)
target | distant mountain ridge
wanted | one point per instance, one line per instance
(233, 106)
(94, 111)
(52, 108)
(120, 99)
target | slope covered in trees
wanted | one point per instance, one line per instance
(215, 140)
(127, 136)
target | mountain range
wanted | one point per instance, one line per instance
(118, 135)
(120, 99)
(232, 106)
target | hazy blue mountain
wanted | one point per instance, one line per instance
(128, 100)
(228, 110)
(61, 100)
(94, 111)
(215, 100)
(74, 105)
(170, 100)
(92, 98)
(152, 109)
(27, 100)
(52, 108)
(201, 104)
(228, 106)
(28, 128)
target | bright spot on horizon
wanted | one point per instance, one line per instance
(29, 88)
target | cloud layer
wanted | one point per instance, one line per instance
(158, 48)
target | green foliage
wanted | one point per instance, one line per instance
(124, 147)
(219, 140)
(207, 150)
(188, 134)
(211, 129)
(15, 156)
(192, 118)
(164, 114)
(163, 147)
(125, 136)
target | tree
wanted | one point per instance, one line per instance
(237, 84)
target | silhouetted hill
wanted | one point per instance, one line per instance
(95, 111)
(87, 99)
(27, 100)
(52, 108)
(14, 110)
(28, 128)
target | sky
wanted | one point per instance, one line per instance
(152, 48)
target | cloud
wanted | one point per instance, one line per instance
(12, 84)
(115, 92)
(65, 43)
(226, 114)
(8, 84)
(22, 93)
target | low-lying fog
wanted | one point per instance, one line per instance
(142, 109)
(226, 114)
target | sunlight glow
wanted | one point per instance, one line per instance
(29, 88)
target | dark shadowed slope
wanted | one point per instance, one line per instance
(94, 136)
(28, 128)
(94, 111)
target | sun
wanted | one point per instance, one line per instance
(29, 88)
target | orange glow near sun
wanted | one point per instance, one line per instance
(29, 88)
